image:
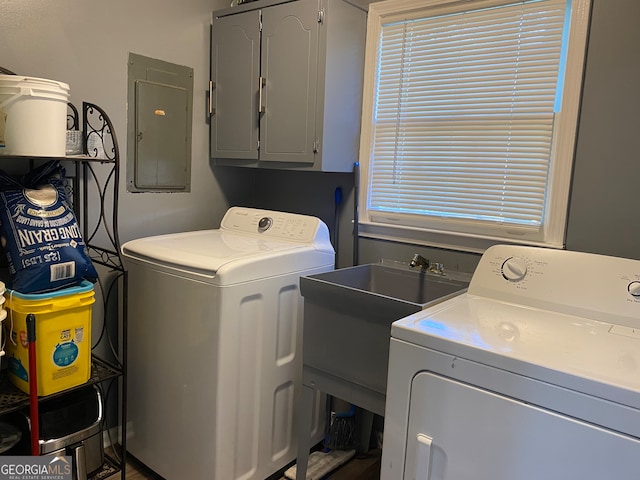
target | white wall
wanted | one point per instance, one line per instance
(86, 43)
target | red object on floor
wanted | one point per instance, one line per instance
(33, 385)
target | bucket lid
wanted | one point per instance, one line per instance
(34, 82)
(83, 287)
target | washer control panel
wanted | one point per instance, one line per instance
(571, 281)
(275, 225)
(264, 224)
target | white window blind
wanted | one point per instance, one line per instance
(464, 117)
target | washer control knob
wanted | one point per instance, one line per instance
(634, 288)
(264, 224)
(514, 269)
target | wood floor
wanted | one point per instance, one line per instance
(356, 469)
(136, 472)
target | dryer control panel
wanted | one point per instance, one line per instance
(276, 225)
(597, 286)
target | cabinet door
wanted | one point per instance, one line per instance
(235, 70)
(289, 70)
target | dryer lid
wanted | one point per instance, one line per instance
(567, 318)
(579, 353)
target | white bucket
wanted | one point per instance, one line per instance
(33, 116)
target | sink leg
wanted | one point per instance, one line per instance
(366, 425)
(305, 414)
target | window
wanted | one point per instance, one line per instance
(469, 120)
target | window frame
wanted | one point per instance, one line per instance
(444, 233)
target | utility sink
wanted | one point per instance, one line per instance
(348, 315)
(384, 284)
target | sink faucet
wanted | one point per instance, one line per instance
(419, 261)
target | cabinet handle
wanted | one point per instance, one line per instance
(212, 110)
(262, 82)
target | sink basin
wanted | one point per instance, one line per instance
(391, 284)
(348, 315)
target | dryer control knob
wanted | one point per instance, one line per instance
(264, 224)
(634, 288)
(514, 269)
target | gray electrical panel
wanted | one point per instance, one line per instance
(159, 126)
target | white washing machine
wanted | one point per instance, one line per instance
(532, 374)
(215, 333)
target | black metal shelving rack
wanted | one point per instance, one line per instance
(93, 190)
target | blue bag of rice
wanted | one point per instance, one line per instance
(39, 232)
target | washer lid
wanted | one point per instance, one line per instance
(228, 256)
(596, 358)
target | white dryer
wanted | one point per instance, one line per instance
(532, 374)
(215, 333)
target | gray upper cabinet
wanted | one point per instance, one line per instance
(236, 65)
(286, 84)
